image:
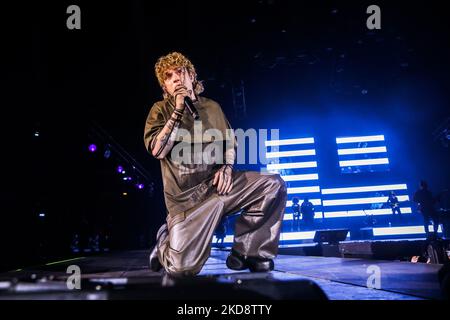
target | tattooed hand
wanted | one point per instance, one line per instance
(179, 94)
(224, 179)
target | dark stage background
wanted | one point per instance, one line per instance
(308, 68)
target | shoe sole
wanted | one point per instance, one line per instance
(262, 267)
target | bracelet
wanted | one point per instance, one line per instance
(178, 112)
(176, 119)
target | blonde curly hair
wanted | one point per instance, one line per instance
(176, 60)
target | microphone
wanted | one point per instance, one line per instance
(190, 106)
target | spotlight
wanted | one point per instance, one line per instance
(140, 186)
(119, 169)
(92, 148)
(36, 134)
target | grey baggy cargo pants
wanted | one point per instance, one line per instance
(184, 242)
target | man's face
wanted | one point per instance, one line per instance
(175, 77)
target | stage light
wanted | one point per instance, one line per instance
(395, 231)
(292, 165)
(362, 213)
(92, 148)
(361, 150)
(303, 190)
(42, 215)
(365, 162)
(341, 202)
(350, 213)
(285, 142)
(127, 178)
(281, 154)
(387, 187)
(360, 139)
(284, 236)
(301, 177)
(305, 235)
(140, 186)
(119, 169)
(36, 134)
(124, 194)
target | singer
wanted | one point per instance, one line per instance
(197, 196)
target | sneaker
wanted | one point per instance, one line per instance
(260, 264)
(154, 263)
(236, 261)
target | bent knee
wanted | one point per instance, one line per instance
(278, 183)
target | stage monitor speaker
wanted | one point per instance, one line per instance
(330, 236)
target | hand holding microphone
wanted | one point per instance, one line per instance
(190, 106)
(183, 100)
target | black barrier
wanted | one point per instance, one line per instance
(330, 236)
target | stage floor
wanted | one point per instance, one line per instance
(339, 278)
